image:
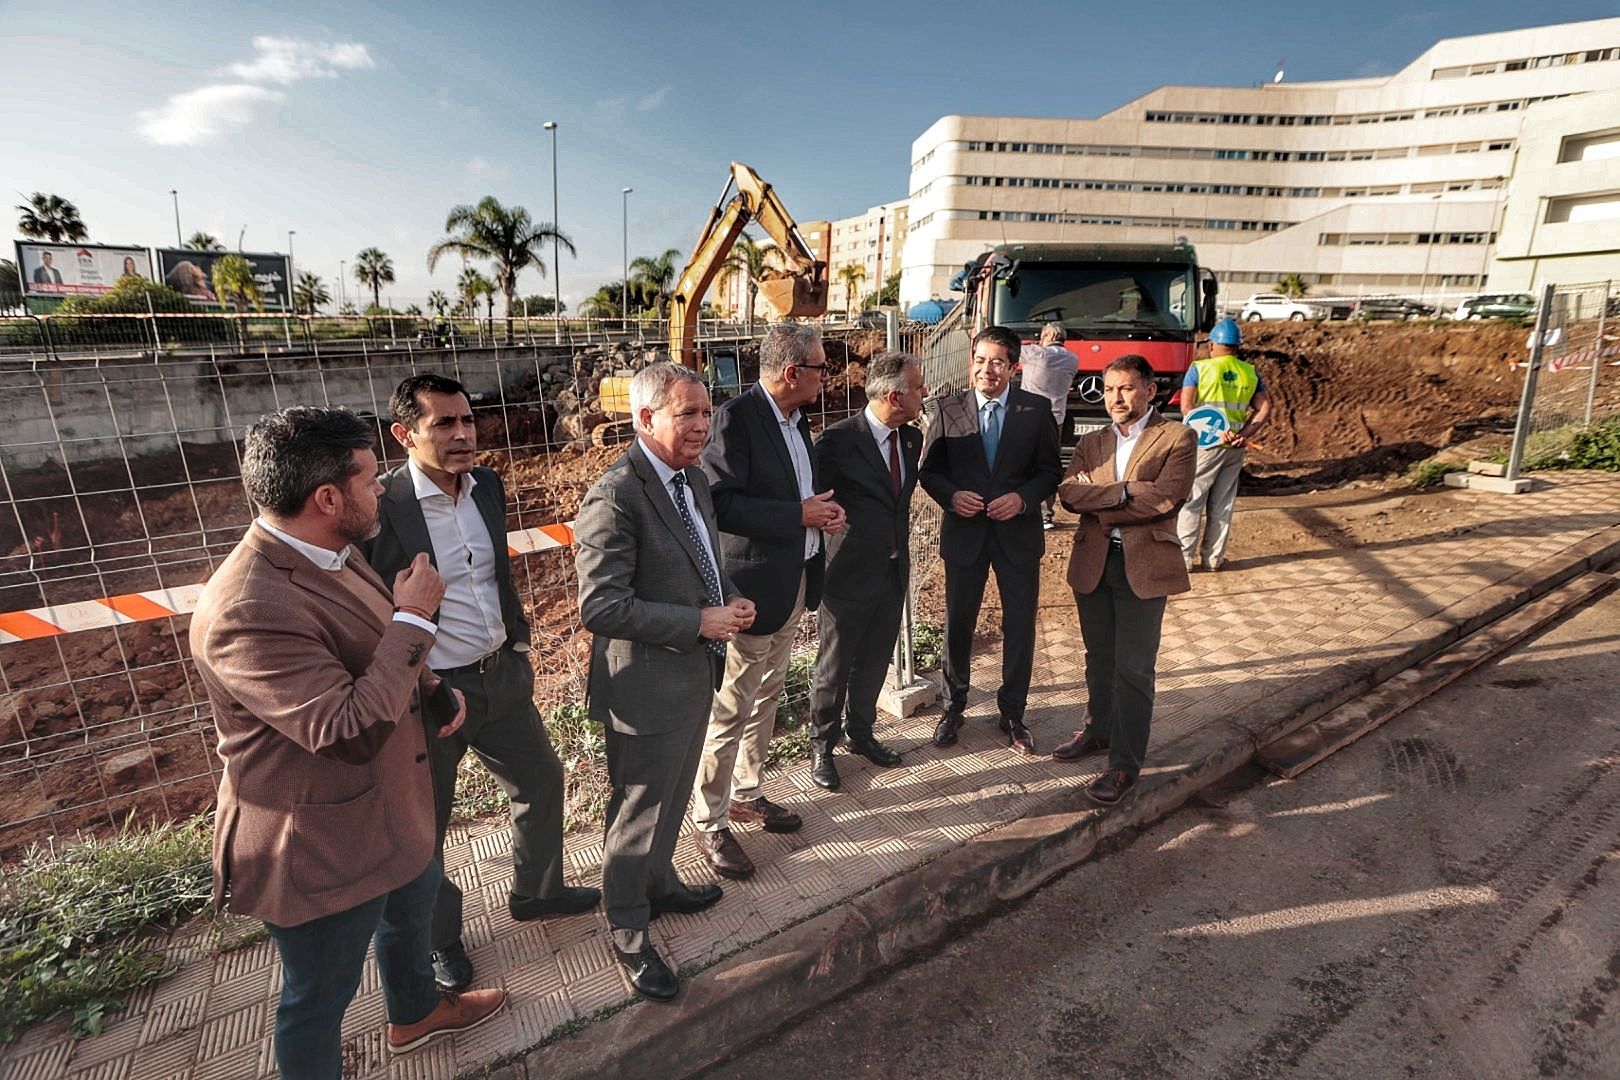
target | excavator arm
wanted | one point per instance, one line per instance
(799, 290)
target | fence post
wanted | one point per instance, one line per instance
(1597, 353)
(1527, 400)
(151, 313)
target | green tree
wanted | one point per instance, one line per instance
(10, 286)
(374, 269)
(1293, 286)
(750, 259)
(414, 309)
(507, 236)
(310, 293)
(658, 274)
(851, 275)
(438, 303)
(539, 305)
(470, 286)
(201, 241)
(51, 217)
(604, 302)
(889, 295)
(237, 288)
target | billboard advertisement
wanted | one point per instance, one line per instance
(59, 270)
(192, 273)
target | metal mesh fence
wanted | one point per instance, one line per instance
(1573, 388)
(122, 485)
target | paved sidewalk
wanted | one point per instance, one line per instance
(1241, 643)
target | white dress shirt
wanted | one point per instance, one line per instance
(802, 471)
(982, 401)
(667, 475)
(881, 432)
(470, 623)
(1125, 441)
(333, 561)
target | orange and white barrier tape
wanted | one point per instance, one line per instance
(58, 619)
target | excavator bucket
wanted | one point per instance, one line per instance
(796, 296)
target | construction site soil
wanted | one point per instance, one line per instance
(99, 725)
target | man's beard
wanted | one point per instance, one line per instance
(353, 528)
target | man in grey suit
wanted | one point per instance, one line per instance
(870, 460)
(441, 504)
(653, 595)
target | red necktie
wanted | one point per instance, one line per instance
(894, 461)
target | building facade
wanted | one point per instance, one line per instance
(1360, 186)
(874, 244)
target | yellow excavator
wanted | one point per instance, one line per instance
(799, 290)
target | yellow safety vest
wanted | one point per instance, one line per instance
(1228, 384)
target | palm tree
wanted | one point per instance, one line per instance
(438, 303)
(658, 275)
(373, 267)
(201, 241)
(10, 291)
(470, 286)
(1294, 286)
(604, 302)
(507, 236)
(51, 217)
(310, 293)
(750, 259)
(851, 275)
(235, 286)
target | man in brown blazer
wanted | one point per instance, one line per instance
(1127, 482)
(325, 820)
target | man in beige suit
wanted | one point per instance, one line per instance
(325, 822)
(1127, 482)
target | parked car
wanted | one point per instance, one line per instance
(871, 319)
(1393, 307)
(1496, 306)
(1278, 306)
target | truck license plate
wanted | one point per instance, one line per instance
(1086, 427)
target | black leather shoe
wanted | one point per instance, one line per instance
(452, 969)
(649, 975)
(949, 725)
(1110, 787)
(1083, 743)
(875, 752)
(726, 855)
(823, 773)
(1018, 736)
(688, 900)
(572, 901)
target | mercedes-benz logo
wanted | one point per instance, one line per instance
(1091, 389)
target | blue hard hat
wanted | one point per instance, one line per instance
(1226, 332)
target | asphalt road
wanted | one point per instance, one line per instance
(1441, 899)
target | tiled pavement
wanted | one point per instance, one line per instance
(1232, 641)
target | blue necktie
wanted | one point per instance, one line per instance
(705, 564)
(992, 431)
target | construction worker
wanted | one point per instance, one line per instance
(1231, 387)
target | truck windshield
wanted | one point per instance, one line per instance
(1097, 301)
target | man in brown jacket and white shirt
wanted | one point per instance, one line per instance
(325, 822)
(1127, 482)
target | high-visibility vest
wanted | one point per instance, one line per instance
(1228, 384)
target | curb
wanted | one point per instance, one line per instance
(771, 983)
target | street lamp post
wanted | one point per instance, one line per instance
(342, 300)
(556, 262)
(624, 298)
(175, 195)
(291, 272)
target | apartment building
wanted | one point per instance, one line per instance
(1396, 183)
(874, 242)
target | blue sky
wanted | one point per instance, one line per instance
(361, 124)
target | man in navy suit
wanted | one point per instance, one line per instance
(870, 462)
(990, 457)
(771, 521)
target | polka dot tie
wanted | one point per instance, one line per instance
(705, 564)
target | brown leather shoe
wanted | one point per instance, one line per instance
(725, 854)
(455, 1012)
(766, 814)
(1110, 787)
(1083, 743)
(949, 725)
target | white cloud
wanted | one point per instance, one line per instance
(481, 168)
(203, 115)
(287, 60)
(653, 100)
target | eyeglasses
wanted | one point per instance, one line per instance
(811, 367)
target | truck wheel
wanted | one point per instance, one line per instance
(1254, 316)
(1298, 316)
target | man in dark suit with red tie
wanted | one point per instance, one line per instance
(990, 457)
(869, 462)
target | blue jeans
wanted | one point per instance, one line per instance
(321, 963)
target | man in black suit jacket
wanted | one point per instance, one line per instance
(771, 521)
(440, 503)
(45, 273)
(990, 456)
(870, 461)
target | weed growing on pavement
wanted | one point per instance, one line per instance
(74, 922)
(1429, 473)
(1592, 446)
